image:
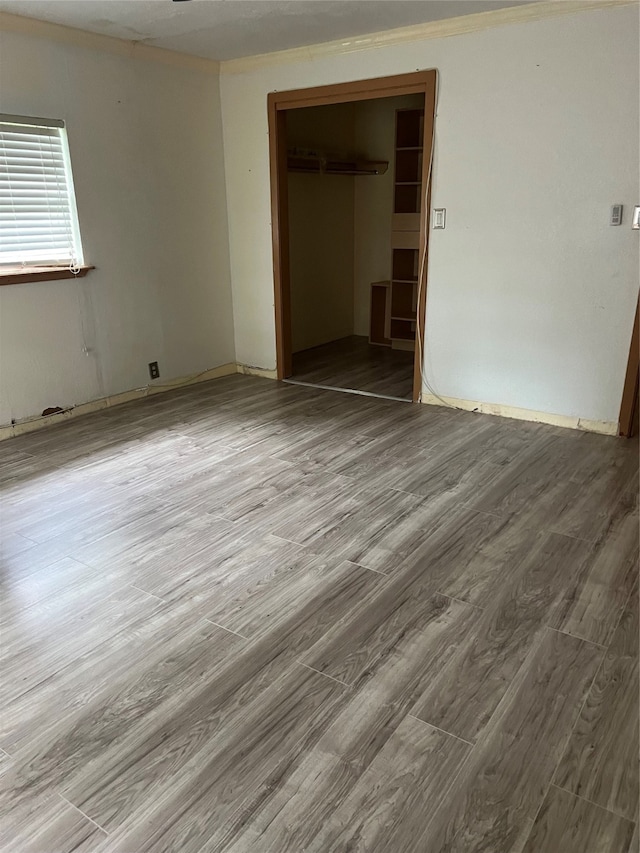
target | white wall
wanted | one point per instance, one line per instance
(321, 230)
(147, 158)
(531, 293)
(374, 134)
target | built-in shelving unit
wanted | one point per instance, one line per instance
(405, 240)
(398, 298)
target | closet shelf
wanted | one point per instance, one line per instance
(325, 164)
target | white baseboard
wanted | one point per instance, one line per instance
(40, 422)
(248, 370)
(32, 424)
(567, 421)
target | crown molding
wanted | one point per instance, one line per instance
(462, 25)
(108, 44)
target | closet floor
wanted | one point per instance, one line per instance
(353, 363)
(251, 616)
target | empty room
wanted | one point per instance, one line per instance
(319, 355)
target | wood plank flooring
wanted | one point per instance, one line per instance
(356, 364)
(252, 617)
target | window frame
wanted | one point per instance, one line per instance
(34, 271)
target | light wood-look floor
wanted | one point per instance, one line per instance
(250, 616)
(353, 363)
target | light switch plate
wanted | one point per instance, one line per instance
(636, 217)
(616, 215)
(439, 217)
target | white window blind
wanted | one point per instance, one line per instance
(38, 219)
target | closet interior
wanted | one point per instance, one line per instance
(355, 178)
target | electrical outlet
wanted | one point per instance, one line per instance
(154, 370)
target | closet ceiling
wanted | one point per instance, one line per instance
(227, 29)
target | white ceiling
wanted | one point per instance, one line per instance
(226, 29)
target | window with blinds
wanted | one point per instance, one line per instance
(38, 218)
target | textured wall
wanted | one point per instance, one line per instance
(146, 152)
(531, 293)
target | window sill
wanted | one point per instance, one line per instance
(23, 276)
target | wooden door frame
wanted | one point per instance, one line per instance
(630, 389)
(418, 82)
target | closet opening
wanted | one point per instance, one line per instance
(350, 169)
